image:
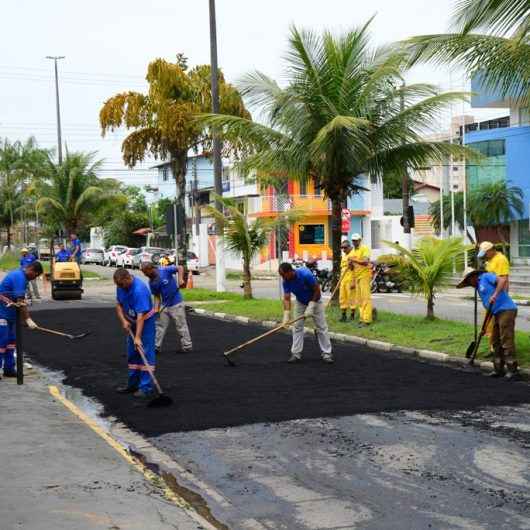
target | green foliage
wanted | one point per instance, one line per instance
(341, 112)
(428, 268)
(120, 230)
(393, 185)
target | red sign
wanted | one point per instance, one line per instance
(346, 221)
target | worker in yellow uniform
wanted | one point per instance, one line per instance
(362, 276)
(497, 263)
(346, 298)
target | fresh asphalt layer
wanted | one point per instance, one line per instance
(375, 441)
(263, 387)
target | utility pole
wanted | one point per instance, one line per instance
(217, 163)
(405, 192)
(56, 58)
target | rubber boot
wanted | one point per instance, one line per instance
(343, 317)
(352, 315)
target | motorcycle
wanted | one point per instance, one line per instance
(323, 276)
(385, 279)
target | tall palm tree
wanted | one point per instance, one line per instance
(499, 56)
(342, 112)
(428, 268)
(71, 190)
(246, 238)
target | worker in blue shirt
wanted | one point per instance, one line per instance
(26, 258)
(303, 284)
(136, 314)
(13, 290)
(75, 248)
(62, 254)
(504, 311)
(165, 289)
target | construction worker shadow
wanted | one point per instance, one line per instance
(263, 387)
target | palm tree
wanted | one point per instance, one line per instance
(246, 238)
(429, 267)
(343, 112)
(71, 191)
(499, 57)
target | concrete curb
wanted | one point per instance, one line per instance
(522, 302)
(423, 355)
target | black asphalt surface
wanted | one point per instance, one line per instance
(263, 387)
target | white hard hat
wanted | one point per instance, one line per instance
(356, 237)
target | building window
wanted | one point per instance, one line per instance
(311, 234)
(165, 173)
(492, 168)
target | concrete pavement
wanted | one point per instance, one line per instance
(57, 473)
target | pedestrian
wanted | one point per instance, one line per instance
(165, 288)
(346, 293)
(136, 314)
(13, 290)
(497, 263)
(75, 248)
(504, 311)
(62, 254)
(303, 284)
(362, 275)
(26, 259)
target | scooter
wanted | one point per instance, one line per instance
(384, 279)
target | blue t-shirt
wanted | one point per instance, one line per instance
(13, 286)
(62, 255)
(302, 285)
(27, 259)
(136, 299)
(74, 244)
(165, 286)
(486, 287)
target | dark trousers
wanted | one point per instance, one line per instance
(503, 341)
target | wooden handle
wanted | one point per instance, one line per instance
(140, 350)
(53, 332)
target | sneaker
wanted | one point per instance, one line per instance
(294, 358)
(363, 324)
(158, 351)
(496, 375)
(141, 394)
(10, 373)
(328, 358)
(513, 376)
(184, 350)
(126, 389)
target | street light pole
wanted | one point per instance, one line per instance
(217, 163)
(405, 192)
(55, 58)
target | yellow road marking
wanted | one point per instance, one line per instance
(150, 476)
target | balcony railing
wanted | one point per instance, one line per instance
(274, 204)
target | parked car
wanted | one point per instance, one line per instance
(124, 259)
(111, 254)
(93, 255)
(168, 258)
(146, 256)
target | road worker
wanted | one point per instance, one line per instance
(346, 293)
(497, 263)
(362, 275)
(26, 259)
(62, 254)
(13, 290)
(504, 312)
(136, 314)
(168, 303)
(75, 248)
(303, 284)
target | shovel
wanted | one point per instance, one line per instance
(61, 334)
(161, 400)
(472, 349)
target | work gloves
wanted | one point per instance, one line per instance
(286, 316)
(31, 324)
(310, 309)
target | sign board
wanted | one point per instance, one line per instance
(345, 221)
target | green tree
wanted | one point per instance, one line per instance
(119, 231)
(342, 112)
(71, 191)
(499, 56)
(162, 119)
(245, 238)
(393, 188)
(428, 268)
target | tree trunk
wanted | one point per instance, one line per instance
(8, 237)
(178, 166)
(336, 233)
(430, 307)
(503, 241)
(247, 279)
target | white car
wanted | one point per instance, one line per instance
(111, 254)
(125, 259)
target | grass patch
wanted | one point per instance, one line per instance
(446, 336)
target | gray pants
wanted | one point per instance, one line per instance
(177, 313)
(321, 327)
(32, 285)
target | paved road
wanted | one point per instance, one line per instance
(451, 305)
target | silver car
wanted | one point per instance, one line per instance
(93, 255)
(145, 255)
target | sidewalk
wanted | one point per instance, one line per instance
(57, 473)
